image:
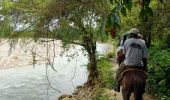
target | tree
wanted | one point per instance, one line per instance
(81, 22)
(78, 22)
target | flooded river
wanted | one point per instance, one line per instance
(30, 83)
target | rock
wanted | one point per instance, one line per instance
(69, 99)
(79, 87)
(62, 97)
(75, 93)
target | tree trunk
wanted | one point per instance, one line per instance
(90, 46)
(146, 30)
(93, 73)
(147, 33)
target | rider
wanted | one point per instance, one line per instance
(119, 51)
(135, 54)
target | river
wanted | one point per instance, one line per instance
(30, 83)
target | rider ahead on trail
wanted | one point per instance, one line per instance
(135, 54)
(119, 51)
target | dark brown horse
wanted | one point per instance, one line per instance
(133, 80)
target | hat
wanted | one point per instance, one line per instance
(134, 31)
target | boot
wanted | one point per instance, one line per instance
(117, 87)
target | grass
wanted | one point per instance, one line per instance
(105, 72)
(106, 79)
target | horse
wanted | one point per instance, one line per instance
(133, 80)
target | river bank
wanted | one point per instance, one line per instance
(100, 92)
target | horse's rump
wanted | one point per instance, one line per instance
(137, 72)
(134, 73)
(133, 80)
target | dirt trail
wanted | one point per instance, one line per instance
(118, 95)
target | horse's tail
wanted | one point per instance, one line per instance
(139, 87)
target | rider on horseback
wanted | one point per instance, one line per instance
(134, 53)
(119, 51)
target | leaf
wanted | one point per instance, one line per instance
(128, 5)
(149, 11)
(117, 8)
(111, 1)
(162, 1)
(110, 21)
(123, 11)
(142, 15)
(116, 1)
(116, 20)
(6, 5)
(125, 1)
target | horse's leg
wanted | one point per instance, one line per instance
(126, 93)
(138, 95)
(138, 92)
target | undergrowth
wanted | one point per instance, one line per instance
(106, 79)
(158, 82)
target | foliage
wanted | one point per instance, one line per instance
(167, 41)
(159, 60)
(131, 20)
(5, 28)
(112, 53)
(161, 19)
(40, 14)
(71, 21)
(105, 72)
(158, 72)
(84, 22)
(106, 80)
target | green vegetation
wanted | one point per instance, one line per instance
(105, 72)
(105, 80)
(158, 82)
(81, 22)
(84, 22)
(157, 31)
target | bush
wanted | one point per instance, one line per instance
(105, 79)
(105, 72)
(158, 81)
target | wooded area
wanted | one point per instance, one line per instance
(85, 22)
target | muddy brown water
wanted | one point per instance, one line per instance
(30, 83)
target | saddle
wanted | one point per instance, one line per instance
(132, 68)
